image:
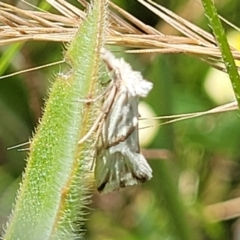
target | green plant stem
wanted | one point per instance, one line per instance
(221, 39)
(55, 186)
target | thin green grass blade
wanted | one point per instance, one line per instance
(215, 23)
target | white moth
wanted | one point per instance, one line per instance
(119, 162)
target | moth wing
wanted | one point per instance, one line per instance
(117, 170)
(119, 162)
(122, 119)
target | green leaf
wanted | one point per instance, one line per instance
(56, 184)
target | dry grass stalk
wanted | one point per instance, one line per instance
(223, 211)
(124, 30)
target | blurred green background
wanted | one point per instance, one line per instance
(204, 165)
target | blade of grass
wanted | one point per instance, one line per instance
(222, 42)
(56, 184)
(8, 55)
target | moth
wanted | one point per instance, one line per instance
(119, 162)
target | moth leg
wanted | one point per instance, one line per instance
(92, 129)
(98, 136)
(96, 98)
(105, 109)
(99, 130)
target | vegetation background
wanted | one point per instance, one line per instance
(201, 166)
